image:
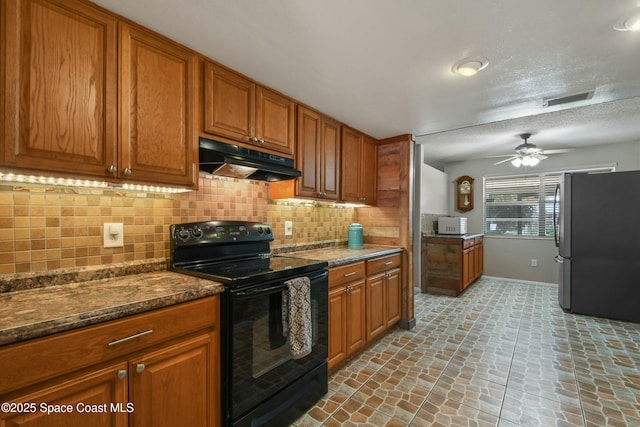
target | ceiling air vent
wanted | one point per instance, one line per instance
(568, 99)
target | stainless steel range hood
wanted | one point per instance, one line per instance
(219, 158)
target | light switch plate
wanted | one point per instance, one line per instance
(288, 228)
(113, 235)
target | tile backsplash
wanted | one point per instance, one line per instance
(45, 228)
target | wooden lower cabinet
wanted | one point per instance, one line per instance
(384, 294)
(364, 303)
(169, 381)
(172, 386)
(452, 263)
(94, 391)
(346, 312)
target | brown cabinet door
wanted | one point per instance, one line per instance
(177, 385)
(157, 107)
(479, 259)
(275, 121)
(369, 171)
(376, 317)
(467, 270)
(330, 159)
(338, 321)
(229, 103)
(393, 296)
(101, 390)
(309, 152)
(356, 307)
(359, 167)
(59, 91)
(350, 159)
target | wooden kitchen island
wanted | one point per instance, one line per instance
(450, 263)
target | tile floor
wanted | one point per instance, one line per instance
(501, 354)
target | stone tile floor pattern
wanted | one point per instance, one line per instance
(501, 354)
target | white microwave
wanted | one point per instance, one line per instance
(452, 225)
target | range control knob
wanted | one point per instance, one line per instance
(183, 233)
(197, 232)
(260, 230)
(268, 230)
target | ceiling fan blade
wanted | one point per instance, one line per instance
(540, 156)
(498, 156)
(558, 151)
(505, 160)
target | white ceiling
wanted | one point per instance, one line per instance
(384, 66)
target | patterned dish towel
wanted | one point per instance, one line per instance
(296, 306)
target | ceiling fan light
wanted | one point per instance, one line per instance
(629, 22)
(516, 162)
(534, 161)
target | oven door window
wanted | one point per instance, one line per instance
(261, 358)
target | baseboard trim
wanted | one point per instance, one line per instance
(528, 282)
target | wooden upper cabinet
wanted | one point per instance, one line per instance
(275, 121)
(359, 167)
(157, 109)
(238, 109)
(229, 103)
(84, 94)
(318, 155)
(59, 91)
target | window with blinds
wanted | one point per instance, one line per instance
(522, 205)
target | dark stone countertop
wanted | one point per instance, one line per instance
(455, 236)
(45, 310)
(340, 255)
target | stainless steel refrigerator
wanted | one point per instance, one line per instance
(598, 240)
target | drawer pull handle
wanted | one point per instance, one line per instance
(350, 274)
(122, 373)
(132, 337)
(388, 263)
(140, 367)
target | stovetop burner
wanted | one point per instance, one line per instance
(234, 253)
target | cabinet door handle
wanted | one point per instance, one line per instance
(349, 274)
(112, 169)
(254, 139)
(129, 338)
(126, 171)
(388, 263)
(348, 290)
(122, 373)
(140, 367)
(261, 140)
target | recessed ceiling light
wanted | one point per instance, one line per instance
(470, 66)
(629, 21)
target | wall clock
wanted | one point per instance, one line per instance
(464, 193)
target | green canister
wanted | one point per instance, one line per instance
(355, 236)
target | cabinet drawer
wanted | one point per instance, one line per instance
(468, 243)
(383, 263)
(346, 273)
(478, 240)
(36, 360)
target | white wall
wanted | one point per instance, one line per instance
(511, 257)
(434, 186)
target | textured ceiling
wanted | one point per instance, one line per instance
(384, 66)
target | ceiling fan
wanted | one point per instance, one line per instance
(528, 154)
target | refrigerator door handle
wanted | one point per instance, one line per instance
(556, 236)
(559, 259)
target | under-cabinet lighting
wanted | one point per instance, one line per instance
(316, 203)
(84, 183)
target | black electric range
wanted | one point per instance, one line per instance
(235, 253)
(262, 384)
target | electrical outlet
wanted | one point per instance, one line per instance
(113, 235)
(288, 228)
(534, 262)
